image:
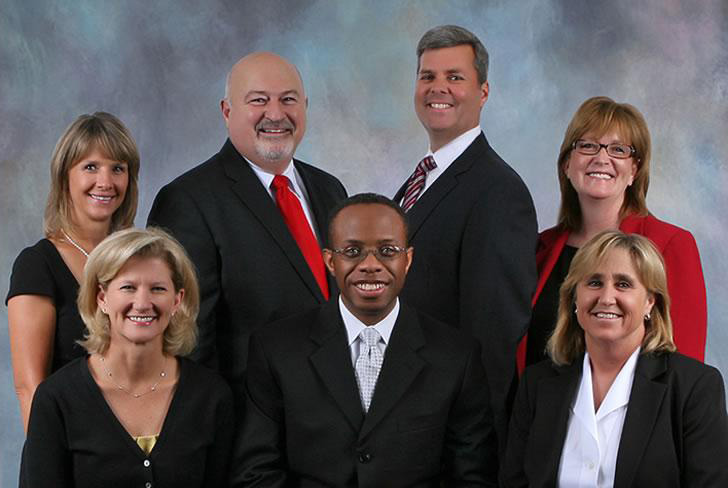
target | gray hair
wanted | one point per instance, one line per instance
(451, 36)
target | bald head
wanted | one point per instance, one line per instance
(265, 110)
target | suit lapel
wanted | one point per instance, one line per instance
(444, 184)
(645, 401)
(246, 185)
(332, 362)
(401, 366)
(556, 395)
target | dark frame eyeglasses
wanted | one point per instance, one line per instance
(615, 149)
(383, 253)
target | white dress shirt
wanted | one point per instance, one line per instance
(354, 326)
(589, 456)
(296, 186)
(448, 153)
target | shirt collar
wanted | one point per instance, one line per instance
(266, 178)
(354, 326)
(453, 149)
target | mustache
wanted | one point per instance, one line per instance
(270, 124)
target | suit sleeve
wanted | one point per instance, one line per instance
(177, 212)
(260, 451)
(705, 434)
(686, 285)
(497, 278)
(471, 447)
(46, 458)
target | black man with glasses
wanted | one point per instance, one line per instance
(364, 390)
(603, 170)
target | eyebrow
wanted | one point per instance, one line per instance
(268, 94)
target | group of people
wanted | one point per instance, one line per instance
(363, 341)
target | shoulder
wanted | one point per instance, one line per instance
(34, 269)
(658, 231)
(289, 331)
(65, 385)
(312, 174)
(490, 165)
(683, 368)
(441, 336)
(204, 173)
(545, 369)
(547, 238)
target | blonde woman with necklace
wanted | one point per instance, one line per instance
(94, 172)
(134, 412)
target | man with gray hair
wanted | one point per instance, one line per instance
(472, 219)
(252, 218)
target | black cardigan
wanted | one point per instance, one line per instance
(74, 439)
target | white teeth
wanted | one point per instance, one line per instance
(606, 315)
(440, 105)
(601, 176)
(100, 198)
(274, 131)
(369, 286)
(141, 318)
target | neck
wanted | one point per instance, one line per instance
(135, 364)
(90, 234)
(597, 216)
(606, 363)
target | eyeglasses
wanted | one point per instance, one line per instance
(383, 253)
(615, 149)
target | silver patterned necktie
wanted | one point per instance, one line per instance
(368, 364)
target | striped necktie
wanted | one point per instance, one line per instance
(416, 182)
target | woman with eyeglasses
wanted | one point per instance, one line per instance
(616, 405)
(604, 171)
(93, 192)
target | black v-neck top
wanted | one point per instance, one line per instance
(546, 309)
(75, 440)
(40, 270)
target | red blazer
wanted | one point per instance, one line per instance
(685, 282)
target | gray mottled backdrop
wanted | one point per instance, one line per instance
(160, 66)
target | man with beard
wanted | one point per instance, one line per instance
(252, 218)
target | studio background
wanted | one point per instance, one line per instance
(161, 66)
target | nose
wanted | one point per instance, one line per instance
(142, 299)
(274, 110)
(104, 178)
(370, 263)
(607, 296)
(439, 85)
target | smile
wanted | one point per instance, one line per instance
(142, 319)
(607, 315)
(101, 198)
(370, 286)
(600, 176)
(439, 106)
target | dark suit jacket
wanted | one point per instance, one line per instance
(250, 268)
(675, 431)
(304, 426)
(474, 233)
(688, 305)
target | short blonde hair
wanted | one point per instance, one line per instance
(109, 135)
(567, 342)
(104, 264)
(600, 115)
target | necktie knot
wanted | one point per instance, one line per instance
(280, 182)
(370, 337)
(416, 182)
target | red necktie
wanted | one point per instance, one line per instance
(290, 207)
(416, 182)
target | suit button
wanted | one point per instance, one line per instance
(365, 457)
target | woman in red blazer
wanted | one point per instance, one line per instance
(603, 170)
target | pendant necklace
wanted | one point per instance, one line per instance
(74, 243)
(123, 388)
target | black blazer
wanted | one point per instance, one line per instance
(250, 268)
(675, 432)
(304, 426)
(474, 233)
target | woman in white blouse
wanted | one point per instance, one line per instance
(615, 405)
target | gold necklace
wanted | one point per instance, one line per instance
(123, 388)
(74, 243)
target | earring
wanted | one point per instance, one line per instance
(576, 310)
(103, 310)
(648, 317)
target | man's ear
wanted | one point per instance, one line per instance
(329, 260)
(410, 254)
(484, 90)
(225, 108)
